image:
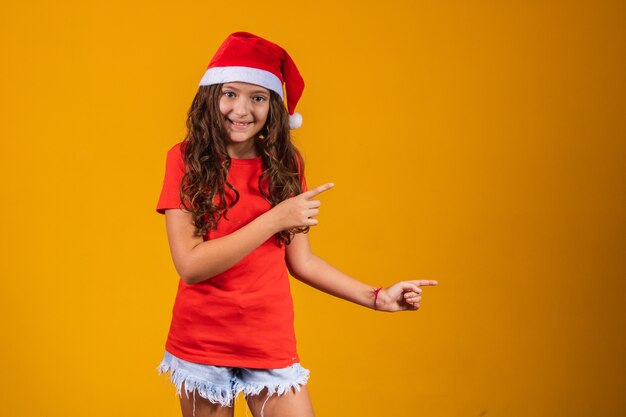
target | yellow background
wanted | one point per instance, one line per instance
(479, 143)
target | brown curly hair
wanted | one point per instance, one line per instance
(207, 161)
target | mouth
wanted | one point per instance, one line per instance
(239, 125)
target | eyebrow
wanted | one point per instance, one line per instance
(252, 92)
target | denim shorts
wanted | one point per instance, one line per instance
(221, 385)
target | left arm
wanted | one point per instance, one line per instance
(307, 267)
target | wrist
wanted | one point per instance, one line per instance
(272, 221)
(376, 302)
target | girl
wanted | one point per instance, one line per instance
(237, 212)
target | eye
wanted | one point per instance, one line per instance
(259, 99)
(228, 94)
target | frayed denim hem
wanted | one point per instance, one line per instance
(248, 389)
(252, 389)
(216, 395)
(222, 385)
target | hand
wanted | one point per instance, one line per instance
(299, 211)
(405, 295)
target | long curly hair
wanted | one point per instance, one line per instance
(203, 187)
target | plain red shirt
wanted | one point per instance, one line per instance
(242, 317)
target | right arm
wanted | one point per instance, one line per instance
(197, 260)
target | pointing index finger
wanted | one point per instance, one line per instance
(424, 282)
(317, 190)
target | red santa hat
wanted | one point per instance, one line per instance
(245, 57)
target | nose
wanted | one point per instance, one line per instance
(240, 107)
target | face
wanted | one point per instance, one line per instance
(245, 107)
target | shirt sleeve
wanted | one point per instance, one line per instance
(174, 172)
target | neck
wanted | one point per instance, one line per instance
(243, 150)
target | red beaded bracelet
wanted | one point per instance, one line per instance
(376, 291)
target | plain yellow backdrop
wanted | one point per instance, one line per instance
(478, 143)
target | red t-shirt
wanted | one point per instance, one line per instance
(242, 317)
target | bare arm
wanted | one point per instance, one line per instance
(196, 260)
(309, 268)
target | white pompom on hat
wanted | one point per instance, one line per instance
(248, 58)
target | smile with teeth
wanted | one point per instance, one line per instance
(240, 124)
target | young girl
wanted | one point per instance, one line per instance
(237, 212)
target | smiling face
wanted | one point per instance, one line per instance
(245, 107)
